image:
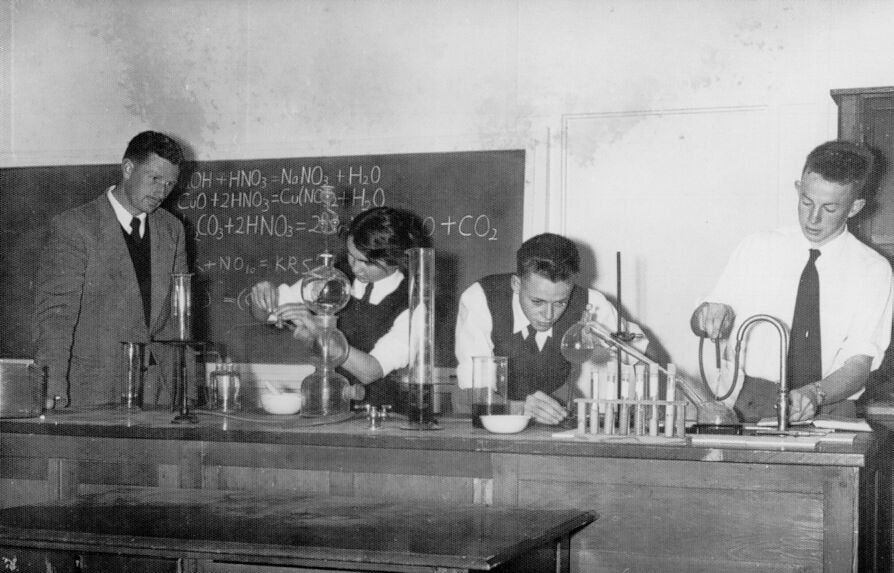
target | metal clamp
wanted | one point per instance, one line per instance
(376, 415)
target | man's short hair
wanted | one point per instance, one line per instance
(549, 255)
(149, 142)
(842, 162)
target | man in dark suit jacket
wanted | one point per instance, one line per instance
(104, 277)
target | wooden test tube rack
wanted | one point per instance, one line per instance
(631, 417)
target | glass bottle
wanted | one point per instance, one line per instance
(326, 291)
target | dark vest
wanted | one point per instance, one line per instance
(546, 370)
(141, 256)
(363, 323)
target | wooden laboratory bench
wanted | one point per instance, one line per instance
(661, 506)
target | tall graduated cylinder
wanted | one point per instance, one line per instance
(132, 386)
(181, 305)
(420, 399)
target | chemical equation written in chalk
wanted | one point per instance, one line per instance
(240, 264)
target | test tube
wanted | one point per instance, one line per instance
(653, 397)
(639, 394)
(624, 416)
(670, 393)
(595, 379)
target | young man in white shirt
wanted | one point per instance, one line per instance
(854, 286)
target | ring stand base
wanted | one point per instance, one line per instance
(420, 426)
(185, 418)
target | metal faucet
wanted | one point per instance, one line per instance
(782, 401)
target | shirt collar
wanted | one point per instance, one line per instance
(381, 288)
(831, 249)
(123, 216)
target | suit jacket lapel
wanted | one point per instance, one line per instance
(162, 260)
(119, 264)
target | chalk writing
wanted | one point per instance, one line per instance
(268, 219)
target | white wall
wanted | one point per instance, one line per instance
(662, 129)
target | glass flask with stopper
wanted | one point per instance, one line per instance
(326, 291)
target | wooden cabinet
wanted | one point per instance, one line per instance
(661, 508)
(866, 115)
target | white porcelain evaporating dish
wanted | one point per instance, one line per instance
(281, 403)
(505, 423)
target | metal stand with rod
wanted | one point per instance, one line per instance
(622, 334)
(180, 403)
(181, 315)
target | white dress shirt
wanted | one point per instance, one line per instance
(124, 217)
(762, 277)
(392, 349)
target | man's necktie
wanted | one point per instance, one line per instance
(805, 363)
(367, 293)
(531, 340)
(135, 229)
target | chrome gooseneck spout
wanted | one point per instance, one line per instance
(782, 400)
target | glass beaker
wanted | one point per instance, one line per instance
(490, 382)
(132, 385)
(224, 387)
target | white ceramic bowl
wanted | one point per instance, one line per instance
(505, 423)
(284, 403)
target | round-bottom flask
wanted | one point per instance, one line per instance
(579, 343)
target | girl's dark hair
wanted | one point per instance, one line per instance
(383, 234)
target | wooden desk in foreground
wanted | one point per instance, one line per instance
(218, 531)
(661, 507)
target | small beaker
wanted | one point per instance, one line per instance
(132, 385)
(181, 305)
(490, 382)
(224, 388)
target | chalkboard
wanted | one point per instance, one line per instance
(252, 220)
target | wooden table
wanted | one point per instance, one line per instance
(662, 508)
(223, 530)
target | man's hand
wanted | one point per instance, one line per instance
(544, 409)
(803, 404)
(713, 320)
(302, 320)
(56, 402)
